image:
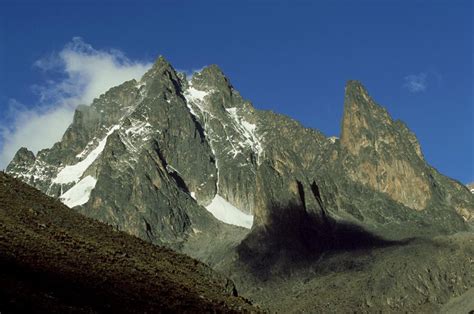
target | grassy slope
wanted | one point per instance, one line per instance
(57, 261)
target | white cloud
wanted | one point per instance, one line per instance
(416, 83)
(86, 73)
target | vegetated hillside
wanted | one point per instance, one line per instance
(54, 260)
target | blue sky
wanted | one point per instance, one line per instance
(294, 57)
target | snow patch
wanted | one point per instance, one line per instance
(138, 128)
(38, 171)
(232, 111)
(228, 213)
(140, 84)
(333, 139)
(248, 131)
(135, 136)
(73, 173)
(195, 94)
(80, 193)
(196, 97)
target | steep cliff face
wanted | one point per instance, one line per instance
(149, 157)
(375, 175)
(386, 156)
(230, 125)
(371, 187)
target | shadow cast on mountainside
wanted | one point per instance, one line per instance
(294, 238)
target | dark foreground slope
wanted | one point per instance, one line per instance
(54, 260)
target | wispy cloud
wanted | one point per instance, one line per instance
(86, 73)
(416, 83)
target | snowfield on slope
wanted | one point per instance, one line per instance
(73, 173)
(228, 213)
(79, 194)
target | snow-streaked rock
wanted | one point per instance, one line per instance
(73, 173)
(247, 131)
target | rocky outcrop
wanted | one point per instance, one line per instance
(385, 179)
(386, 155)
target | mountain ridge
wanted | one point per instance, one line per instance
(207, 116)
(190, 164)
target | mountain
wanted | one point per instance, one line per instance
(146, 156)
(190, 164)
(54, 260)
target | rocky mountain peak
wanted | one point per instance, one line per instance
(161, 63)
(387, 154)
(355, 88)
(161, 78)
(23, 154)
(21, 161)
(212, 78)
(365, 123)
(211, 75)
(362, 117)
(151, 156)
(159, 67)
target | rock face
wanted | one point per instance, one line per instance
(387, 155)
(149, 156)
(383, 155)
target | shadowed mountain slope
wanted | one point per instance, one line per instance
(433, 275)
(55, 260)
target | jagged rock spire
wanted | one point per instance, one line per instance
(162, 76)
(22, 160)
(362, 119)
(386, 153)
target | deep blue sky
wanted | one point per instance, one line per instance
(289, 56)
